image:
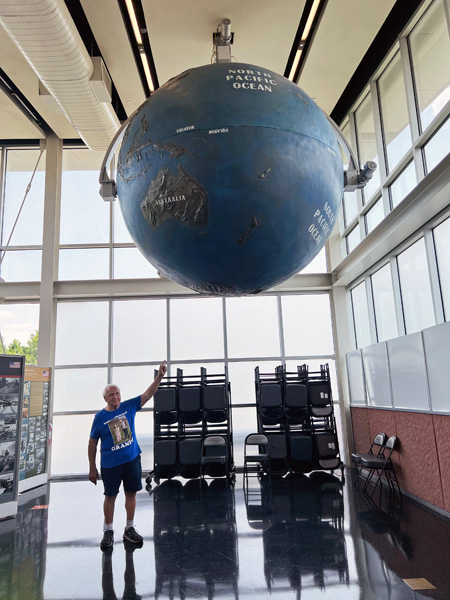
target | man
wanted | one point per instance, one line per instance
(120, 455)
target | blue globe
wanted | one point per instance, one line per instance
(229, 178)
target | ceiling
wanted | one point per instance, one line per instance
(180, 35)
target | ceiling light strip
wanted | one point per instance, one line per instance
(134, 23)
(305, 33)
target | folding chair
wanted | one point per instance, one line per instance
(320, 398)
(260, 459)
(214, 461)
(190, 404)
(380, 465)
(190, 450)
(301, 452)
(165, 406)
(296, 402)
(166, 459)
(271, 403)
(378, 442)
(215, 405)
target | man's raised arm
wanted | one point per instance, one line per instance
(145, 397)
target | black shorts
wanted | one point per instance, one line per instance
(130, 473)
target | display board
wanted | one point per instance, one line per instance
(377, 376)
(34, 437)
(11, 395)
(356, 377)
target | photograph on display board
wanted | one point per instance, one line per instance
(7, 457)
(6, 483)
(7, 432)
(8, 403)
(9, 385)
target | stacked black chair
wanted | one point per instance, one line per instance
(295, 410)
(187, 411)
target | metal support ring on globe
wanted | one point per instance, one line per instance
(230, 179)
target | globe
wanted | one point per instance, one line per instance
(229, 179)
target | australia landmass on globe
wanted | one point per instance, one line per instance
(179, 197)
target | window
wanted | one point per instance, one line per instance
(139, 331)
(383, 299)
(18, 323)
(252, 327)
(353, 239)
(83, 263)
(394, 112)
(437, 147)
(67, 384)
(374, 216)
(367, 148)
(307, 325)
(23, 264)
(404, 184)
(441, 235)
(415, 288)
(430, 52)
(84, 214)
(129, 263)
(196, 329)
(350, 204)
(82, 333)
(361, 315)
(317, 265)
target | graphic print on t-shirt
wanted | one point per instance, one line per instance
(120, 430)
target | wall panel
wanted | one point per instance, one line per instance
(361, 430)
(422, 460)
(442, 433)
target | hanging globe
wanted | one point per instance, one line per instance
(229, 178)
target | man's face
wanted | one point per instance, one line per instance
(112, 397)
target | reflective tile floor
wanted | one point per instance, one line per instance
(302, 537)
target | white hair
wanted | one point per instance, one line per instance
(110, 385)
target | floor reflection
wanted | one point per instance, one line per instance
(196, 550)
(129, 591)
(302, 519)
(23, 543)
(301, 537)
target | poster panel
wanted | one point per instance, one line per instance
(11, 394)
(34, 437)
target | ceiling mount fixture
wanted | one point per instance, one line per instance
(308, 25)
(223, 39)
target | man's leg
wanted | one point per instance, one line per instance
(108, 509)
(132, 483)
(130, 505)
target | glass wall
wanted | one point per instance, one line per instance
(442, 244)
(22, 262)
(367, 148)
(361, 315)
(384, 304)
(430, 54)
(94, 241)
(415, 288)
(124, 341)
(394, 113)
(400, 122)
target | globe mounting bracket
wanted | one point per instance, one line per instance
(223, 38)
(354, 178)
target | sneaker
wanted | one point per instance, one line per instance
(108, 539)
(131, 535)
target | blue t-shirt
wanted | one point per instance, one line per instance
(116, 430)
